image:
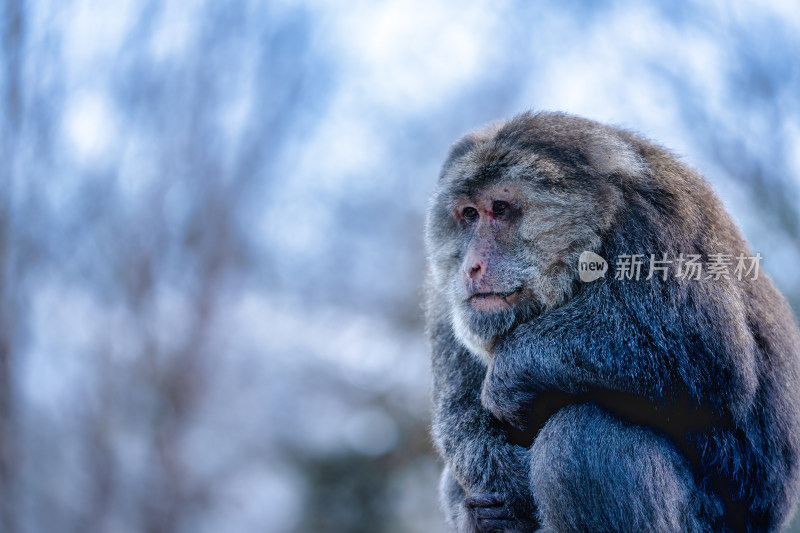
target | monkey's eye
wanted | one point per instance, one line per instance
(470, 214)
(499, 207)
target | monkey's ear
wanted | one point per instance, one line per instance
(609, 154)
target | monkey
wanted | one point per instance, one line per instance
(665, 403)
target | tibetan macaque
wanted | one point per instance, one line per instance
(660, 402)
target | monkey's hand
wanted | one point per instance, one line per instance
(517, 389)
(489, 512)
(508, 397)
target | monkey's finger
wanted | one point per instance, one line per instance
(491, 513)
(493, 525)
(485, 499)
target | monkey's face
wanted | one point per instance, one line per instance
(505, 230)
(493, 287)
(515, 248)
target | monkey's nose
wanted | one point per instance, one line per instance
(474, 272)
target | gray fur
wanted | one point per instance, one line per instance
(659, 405)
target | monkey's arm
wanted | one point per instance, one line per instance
(688, 352)
(492, 471)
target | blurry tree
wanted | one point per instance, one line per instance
(751, 129)
(146, 240)
(12, 35)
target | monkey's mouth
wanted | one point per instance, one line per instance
(489, 302)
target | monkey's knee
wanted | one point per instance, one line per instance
(452, 498)
(480, 512)
(593, 472)
(454, 502)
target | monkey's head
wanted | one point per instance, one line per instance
(516, 204)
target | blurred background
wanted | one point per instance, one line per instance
(211, 231)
